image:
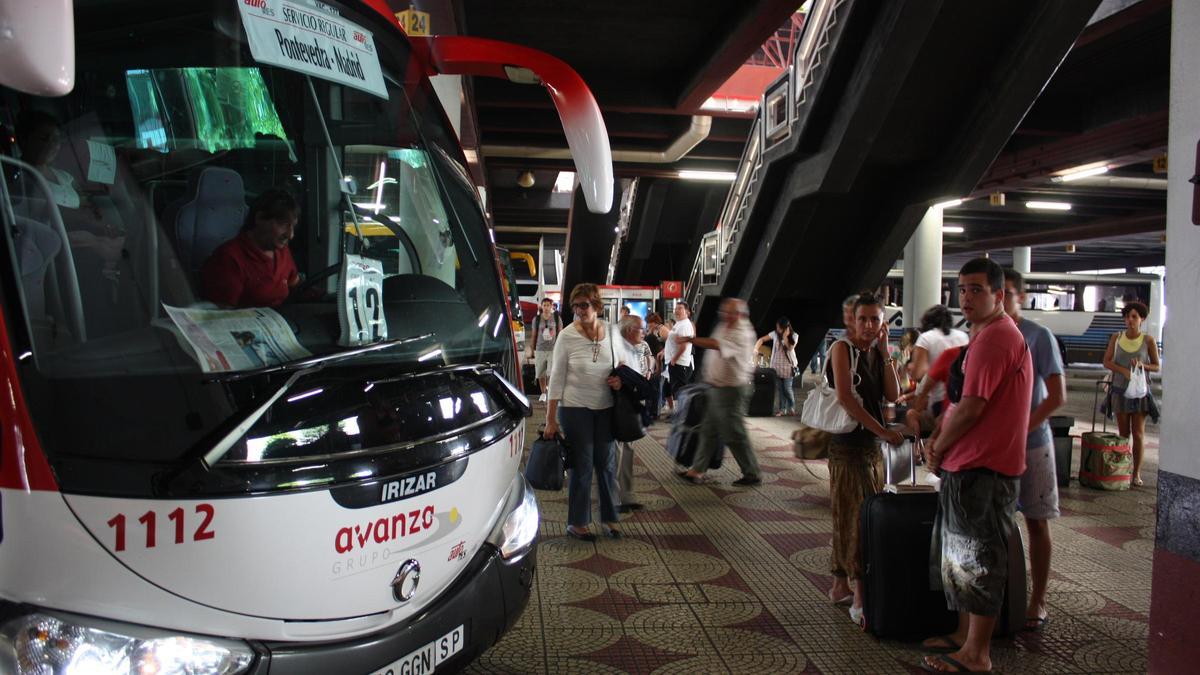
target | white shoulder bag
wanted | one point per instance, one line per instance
(823, 411)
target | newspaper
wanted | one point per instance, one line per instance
(236, 339)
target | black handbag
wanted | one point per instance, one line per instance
(547, 463)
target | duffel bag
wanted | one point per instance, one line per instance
(547, 464)
(1106, 462)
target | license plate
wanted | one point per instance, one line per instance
(427, 659)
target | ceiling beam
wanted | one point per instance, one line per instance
(1113, 227)
(1133, 140)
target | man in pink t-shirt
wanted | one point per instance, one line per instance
(980, 449)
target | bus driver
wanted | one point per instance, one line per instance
(255, 268)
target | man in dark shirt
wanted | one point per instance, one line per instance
(256, 268)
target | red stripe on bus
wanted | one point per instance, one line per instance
(23, 465)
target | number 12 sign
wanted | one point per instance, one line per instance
(360, 301)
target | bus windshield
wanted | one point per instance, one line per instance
(189, 211)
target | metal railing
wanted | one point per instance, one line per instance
(811, 55)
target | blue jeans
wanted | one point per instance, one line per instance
(787, 395)
(591, 449)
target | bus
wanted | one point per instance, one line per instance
(508, 281)
(197, 475)
(525, 273)
(1082, 310)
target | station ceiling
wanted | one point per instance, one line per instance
(651, 66)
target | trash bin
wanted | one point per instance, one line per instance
(1060, 429)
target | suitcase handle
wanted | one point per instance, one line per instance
(1100, 384)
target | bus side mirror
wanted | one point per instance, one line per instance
(39, 51)
(577, 108)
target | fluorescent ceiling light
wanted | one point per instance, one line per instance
(1076, 175)
(1049, 206)
(716, 176)
(952, 229)
(1083, 171)
(565, 181)
(948, 205)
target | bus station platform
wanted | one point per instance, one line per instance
(714, 578)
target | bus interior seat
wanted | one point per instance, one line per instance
(210, 214)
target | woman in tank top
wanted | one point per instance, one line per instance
(855, 463)
(1129, 348)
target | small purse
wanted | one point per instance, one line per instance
(823, 411)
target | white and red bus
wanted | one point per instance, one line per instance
(326, 485)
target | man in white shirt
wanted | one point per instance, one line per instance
(678, 350)
(728, 368)
(632, 351)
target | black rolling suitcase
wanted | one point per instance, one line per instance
(896, 529)
(894, 538)
(529, 380)
(762, 399)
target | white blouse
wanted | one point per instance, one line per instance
(579, 370)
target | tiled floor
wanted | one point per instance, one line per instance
(716, 579)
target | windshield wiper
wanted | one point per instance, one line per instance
(208, 452)
(323, 360)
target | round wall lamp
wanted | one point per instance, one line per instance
(525, 180)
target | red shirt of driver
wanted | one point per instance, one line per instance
(240, 274)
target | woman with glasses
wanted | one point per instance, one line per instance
(581, 400)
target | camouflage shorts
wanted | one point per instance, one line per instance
(975, 519)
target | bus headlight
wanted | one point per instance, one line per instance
(44, 643)
(516, 532)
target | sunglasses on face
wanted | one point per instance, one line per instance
(581, 306)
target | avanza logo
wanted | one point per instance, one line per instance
(257, 4)
(383, 530)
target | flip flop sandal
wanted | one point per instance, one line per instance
(958, 667)
(948, 646)
(846, 601)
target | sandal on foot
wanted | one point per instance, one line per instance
(1035, 624)
(948, 645)
(856, 615)
(844, 602)
(958, 667)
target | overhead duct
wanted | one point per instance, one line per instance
(696, 132)
(1121, 182)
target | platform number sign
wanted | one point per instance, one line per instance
(414, 22)
(360, 301)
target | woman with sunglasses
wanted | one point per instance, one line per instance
(581, 400)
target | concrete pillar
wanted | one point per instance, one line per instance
(1022, 255)
(1175, 598)
(923, 268)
